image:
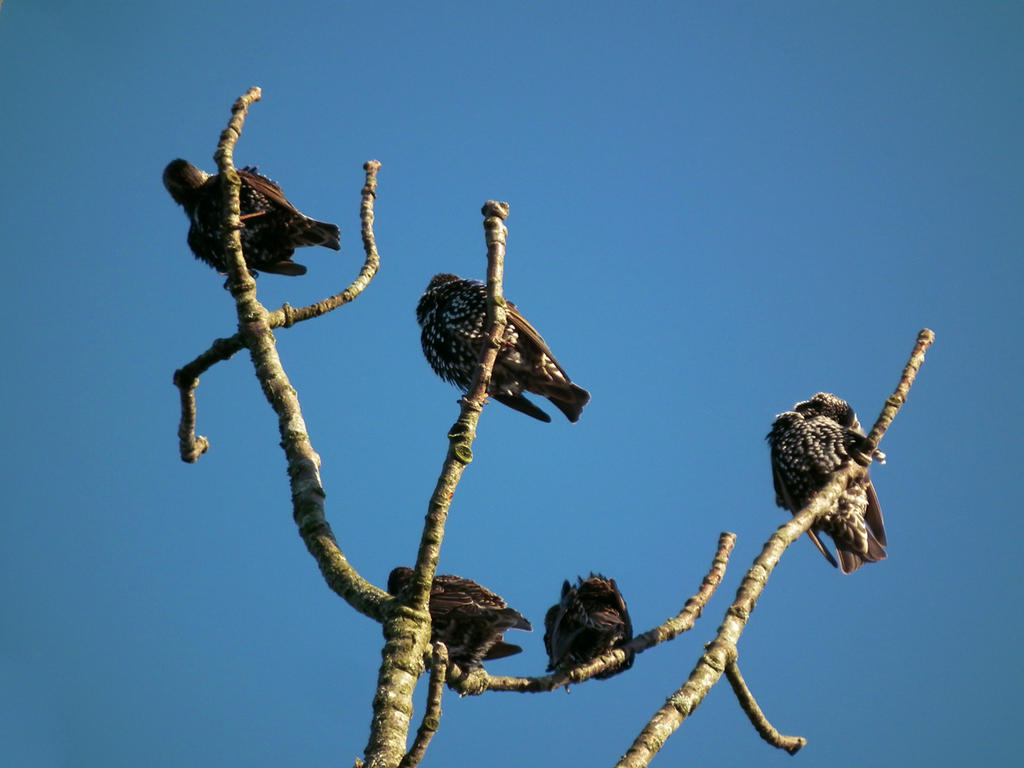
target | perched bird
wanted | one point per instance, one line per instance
(816, 438)
(272, 228)
(469, 619)
(452, 314)
(590, 619)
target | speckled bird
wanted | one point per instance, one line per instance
(468, 618)
(589, 620)
(452, 314)
(272, 228)
(816, 438)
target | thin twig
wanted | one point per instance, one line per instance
(476, 683)
(748, 703)
(695, 605)
(896, 400)
(186, 379)
(722, 650)
(432, 713)
(289, 315)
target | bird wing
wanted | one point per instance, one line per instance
(464, 597)
(284, 267)
(529, 333)
(523, 405)
(873, 515)
(605, 618)
(269, 189)
(783, 492)
(444, 601)
(622, 612)
(468, 590)
(501, 649)
(561, 641)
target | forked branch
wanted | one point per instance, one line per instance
(255, 334)
(186, 378)
(722, 651)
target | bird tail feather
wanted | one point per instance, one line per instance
(320, 233)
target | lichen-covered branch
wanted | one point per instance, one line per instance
(432, 715)
(479, 681)
(407, 626)
(748, 703)
(186, 378)
(722, 651)
(241, 283)
(190, 445)
(463, 432)
(254, 331)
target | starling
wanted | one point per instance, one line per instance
(272, 228)
(816, 438)
(452, 314)
(590, 619)
(469, 619)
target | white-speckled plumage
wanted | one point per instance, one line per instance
(452, 316)
(816, 438)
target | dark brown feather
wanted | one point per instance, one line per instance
(467, 617)
(452, 314)
(272, 228)
(873, 516)
(589, 620)
(269, 189)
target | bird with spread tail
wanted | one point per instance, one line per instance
(272, 228)
(816, 438)
(468, 618)
(452, 314)
(590, 619)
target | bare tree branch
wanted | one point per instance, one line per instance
(896, 400)
(463, 432)
(239, 279)
(721, 651)
(432, 714)
(695, 605)
(407, 623)
(479, 681)
(190, 445)
(791, 744)
(288, 316)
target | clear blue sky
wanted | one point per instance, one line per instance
(718, 209)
